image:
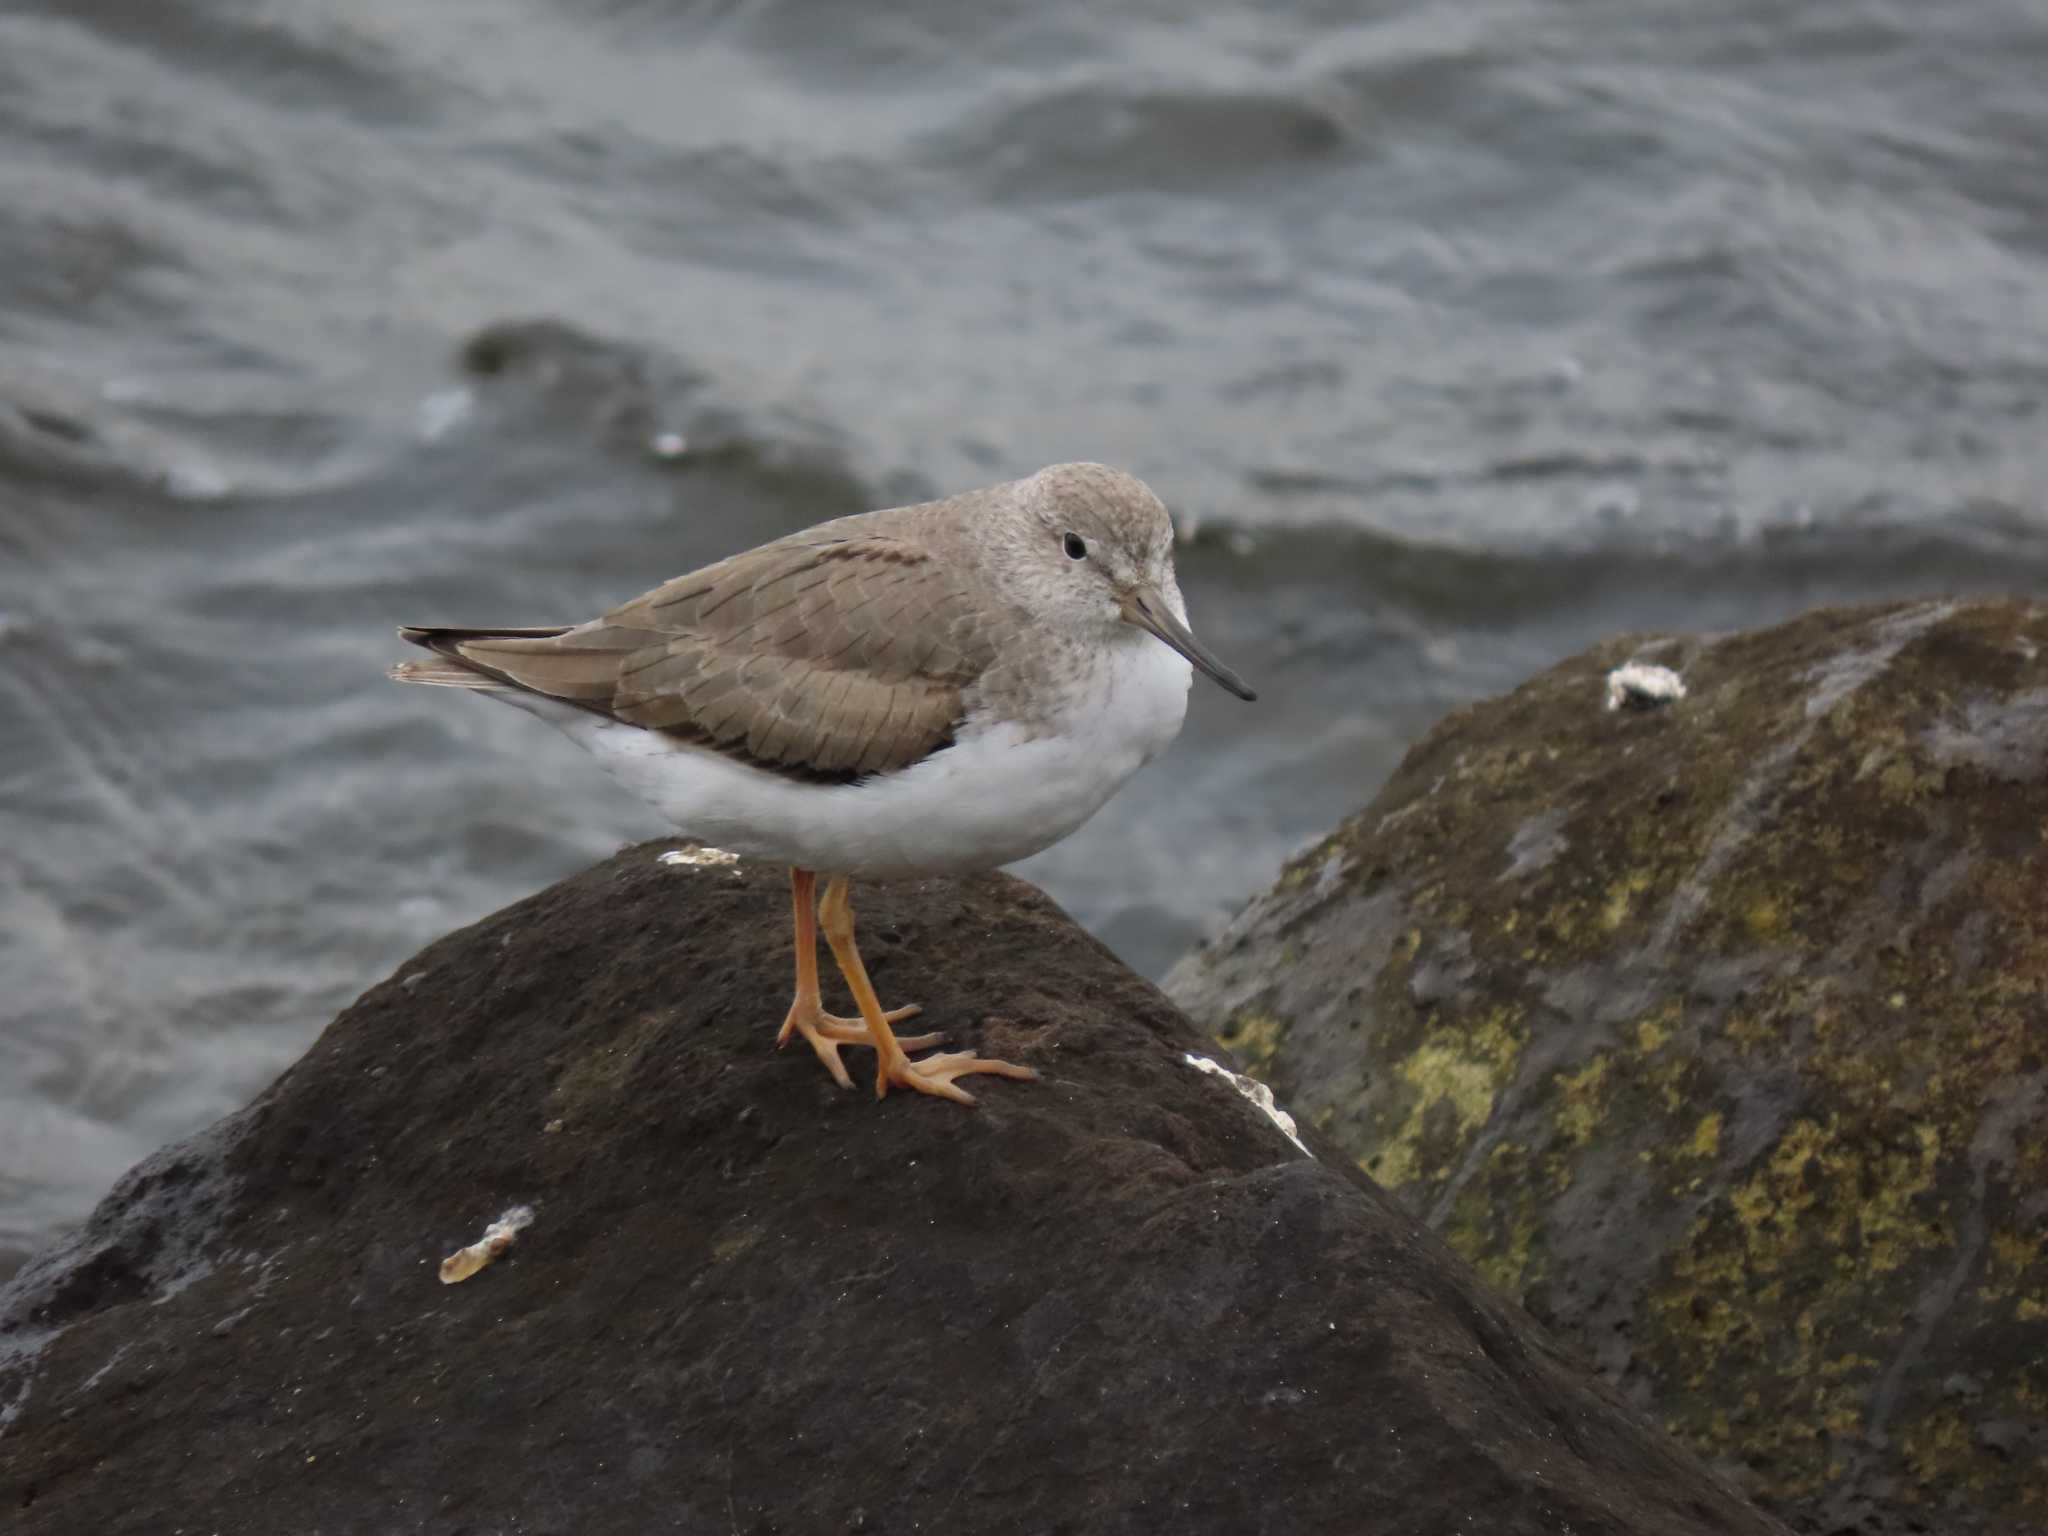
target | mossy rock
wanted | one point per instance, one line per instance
(1716, 1032)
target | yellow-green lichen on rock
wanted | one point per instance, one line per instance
(1255, 1038)
(1718, 1032)
(1451, 1079)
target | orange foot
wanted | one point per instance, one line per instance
(828, 1033)
(935, 1074)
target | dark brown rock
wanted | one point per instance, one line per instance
(1116, 1300)
(1718, 1033)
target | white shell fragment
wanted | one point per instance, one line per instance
(1256, 1091)
(498, 1236)
(1643, 686)
(699, 857)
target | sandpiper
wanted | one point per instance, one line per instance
(923, 690)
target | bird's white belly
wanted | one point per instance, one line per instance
(997, 795)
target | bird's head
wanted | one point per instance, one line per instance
(1097, 553)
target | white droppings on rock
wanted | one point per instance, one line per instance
(1643, 686)
(700, 858)
(1252, 1089)
(668, 445)
(498, 1236)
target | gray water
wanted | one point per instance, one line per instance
(1458, 334)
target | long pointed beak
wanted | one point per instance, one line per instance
(1148, 610)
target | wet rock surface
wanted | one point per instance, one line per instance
(1119, 1299)
(1716, 1032)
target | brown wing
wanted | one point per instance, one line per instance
(827, 656)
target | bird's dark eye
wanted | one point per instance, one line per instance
(1075, 546)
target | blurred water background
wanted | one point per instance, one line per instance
(1458, 333)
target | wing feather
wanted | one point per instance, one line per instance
(832, 654)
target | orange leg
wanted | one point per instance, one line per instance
(933, 1075)
(807, 1016)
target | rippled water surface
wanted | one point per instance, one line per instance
(1458, 334)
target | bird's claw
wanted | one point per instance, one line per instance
(828, 1033)
(935, 1074)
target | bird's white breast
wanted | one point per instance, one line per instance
(1000, 793)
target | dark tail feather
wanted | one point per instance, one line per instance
(516, 659)
(457, 671)
(439, 637)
